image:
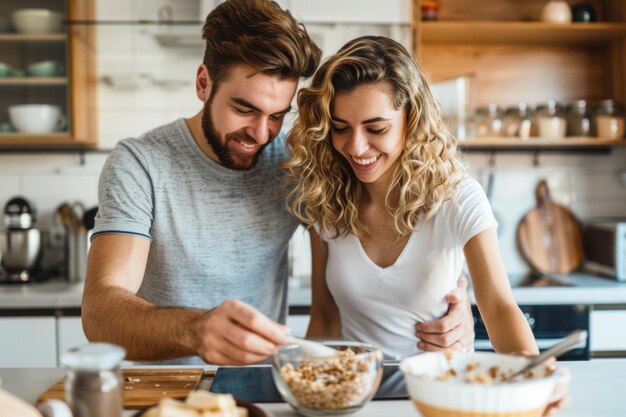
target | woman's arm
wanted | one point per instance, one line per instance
(325, 320)
(507, 328)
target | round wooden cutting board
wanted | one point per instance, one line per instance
(549, 236)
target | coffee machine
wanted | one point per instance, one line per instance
(20, 243)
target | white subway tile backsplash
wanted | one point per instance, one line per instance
(57, 188)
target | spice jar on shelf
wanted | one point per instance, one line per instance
(551, 120)
(517, 121)
(609, 120)
(430, 9)
(94, 384)
(489, 121)
(578, 119)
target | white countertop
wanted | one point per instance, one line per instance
(582, 289)
(597, 390)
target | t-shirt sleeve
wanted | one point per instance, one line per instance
(125, 194)
(474, 213)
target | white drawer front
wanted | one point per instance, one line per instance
(28, 342)
(607, 330)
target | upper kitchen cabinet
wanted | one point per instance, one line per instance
(507, 52)
(47, 73)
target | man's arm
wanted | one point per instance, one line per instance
(455, 330)
(232, 333)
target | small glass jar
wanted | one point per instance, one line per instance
(94, 384)
(609, 120)
(517, 121)
(430, 9)
(578, 119)
(489, 121)
(551, 120)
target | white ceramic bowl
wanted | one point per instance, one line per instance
(455, 397)
(36, 21)
(36, 118)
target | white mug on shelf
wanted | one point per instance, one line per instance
(556, 11)
(37, 118)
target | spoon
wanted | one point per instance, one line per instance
(311, 348)
(570, 341)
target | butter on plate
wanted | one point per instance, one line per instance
(198, 404)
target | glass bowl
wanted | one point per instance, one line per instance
(333, 385)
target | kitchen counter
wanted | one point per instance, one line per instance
(596, 390)
(41, 295)
(577, 289)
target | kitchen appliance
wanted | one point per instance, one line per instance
(548, 322)
(20, 243)
(605, 247)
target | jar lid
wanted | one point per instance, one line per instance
(550, 107)
(610, 107)
(93, 357)
(521, 109)
(577, 105)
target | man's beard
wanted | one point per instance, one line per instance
(228, 157)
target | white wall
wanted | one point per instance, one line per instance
(587, 184)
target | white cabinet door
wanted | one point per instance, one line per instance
(70, 333)
(28, 342)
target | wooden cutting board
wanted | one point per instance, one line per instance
(549, 236)
(145, 387)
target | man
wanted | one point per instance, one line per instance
(188, 257)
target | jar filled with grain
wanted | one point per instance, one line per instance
(551, 120)
(609, 120)
(94, 384)
(578, 119)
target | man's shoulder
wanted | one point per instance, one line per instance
(154, 141)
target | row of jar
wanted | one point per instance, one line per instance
(552, 120)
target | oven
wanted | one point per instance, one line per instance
(549, 324)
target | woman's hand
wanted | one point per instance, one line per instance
(453, 331)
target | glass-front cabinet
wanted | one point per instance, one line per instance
(47, 73)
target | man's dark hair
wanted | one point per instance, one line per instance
(260, 34)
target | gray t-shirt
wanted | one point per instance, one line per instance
(216, 233)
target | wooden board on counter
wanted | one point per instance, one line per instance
(145, 387)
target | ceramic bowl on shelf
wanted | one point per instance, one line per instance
(36, 118)
(443, 384)
(45, 69)
(5, 69)
(37, 21)
(329, 385)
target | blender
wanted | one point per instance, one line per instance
(20, 243)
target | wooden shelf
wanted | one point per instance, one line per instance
(463, 32)
(25, 37)
(504, 143)
(33, 80)
(19, 139)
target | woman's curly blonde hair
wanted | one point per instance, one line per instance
(322, 187)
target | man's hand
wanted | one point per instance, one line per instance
(453, 331)
(235, 333)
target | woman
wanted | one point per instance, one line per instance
(377, 177)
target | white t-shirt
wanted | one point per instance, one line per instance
(382, 305)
